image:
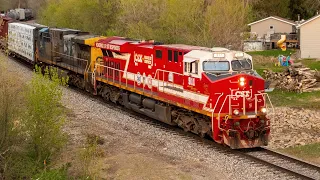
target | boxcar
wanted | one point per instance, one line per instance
(22, 39)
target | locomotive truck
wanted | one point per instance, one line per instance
(208, 91)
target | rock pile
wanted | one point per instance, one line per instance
(292, 127)
(295, 78)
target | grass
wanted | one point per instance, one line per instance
(295, 100)
(311, 63)
(272, 53)
(261, 63)
(281, 98)
(310, 152)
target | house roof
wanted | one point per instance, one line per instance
(276, 18)
(309, 20)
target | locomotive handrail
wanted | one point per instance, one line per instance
(244, 110)
(113, 74)
(74, 58)
(157, 71)
(163, 81)
(125, 73)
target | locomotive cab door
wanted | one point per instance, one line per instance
(191, 79)
(191, 72)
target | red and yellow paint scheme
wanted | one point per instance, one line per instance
(216, 83)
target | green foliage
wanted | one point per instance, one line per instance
(264, 8)
(285, 8)
(44, 115)
(54, 174)
(88, 157)
(310, 152)
(169, 21)
(10, 129)
(225, 21)
(306, 8)
(95, 16)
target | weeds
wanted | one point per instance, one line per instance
(89, 157)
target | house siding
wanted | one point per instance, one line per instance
(263, 27)
(310, 39)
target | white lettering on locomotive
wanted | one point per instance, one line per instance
(140, 58)
(108, 46)
(245, 94)
(191, 81)
(113, 47)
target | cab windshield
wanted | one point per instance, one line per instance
(240, 65)
(216, 66)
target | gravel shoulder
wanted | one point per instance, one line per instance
(292, 127)
(139, 150)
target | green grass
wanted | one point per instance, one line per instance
(263, 63)
(289, 99)
(272, 53)
(310, 152)
(295, 100)
(311, 63)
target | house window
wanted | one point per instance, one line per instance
(271, 27)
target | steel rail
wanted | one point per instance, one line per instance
(218, 147)
(282, 162)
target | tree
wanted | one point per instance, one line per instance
(306, 8)
(225, 20)
(265, 8)
(44, 115)
(96, 16)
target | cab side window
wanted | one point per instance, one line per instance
(191, 67)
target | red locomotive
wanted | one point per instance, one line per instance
(208, 91)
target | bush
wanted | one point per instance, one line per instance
(45, 115)
(10, 104)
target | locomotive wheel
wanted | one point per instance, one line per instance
(106, 93)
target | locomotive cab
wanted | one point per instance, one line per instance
(236, 96)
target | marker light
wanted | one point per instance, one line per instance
(242, 79)
(241, 83)
(263, 110)
(236, 112)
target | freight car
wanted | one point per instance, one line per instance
(208, 91)
(20, 14)
(4, 22)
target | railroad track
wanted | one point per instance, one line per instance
(287, 166)
(293, 167)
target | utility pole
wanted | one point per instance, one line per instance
(19, 4)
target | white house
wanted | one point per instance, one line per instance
(310, 37)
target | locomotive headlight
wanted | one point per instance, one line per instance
(242, 79)
(263, 110)
(236, 112)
